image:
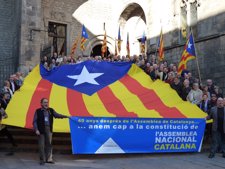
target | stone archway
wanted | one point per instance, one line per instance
(132, 20)
(98, 41)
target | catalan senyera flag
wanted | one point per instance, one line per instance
(119, 41)
(128, 45)
(104, 45)
(84, 37)
(188, 54)
(143, 40)
(92, 89)
(74, 47)
(161, 47)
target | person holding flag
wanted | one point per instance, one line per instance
(84, 37)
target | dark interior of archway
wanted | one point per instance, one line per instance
(97, 51)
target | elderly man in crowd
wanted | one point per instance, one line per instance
(176, 85)
(13, 85)
(6, 89)
(195, 95)
(210, 86)
(185, 89)
(217, 113)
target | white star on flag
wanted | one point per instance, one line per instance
(85, 77)
(189, 45)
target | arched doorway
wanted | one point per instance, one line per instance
(97, 51)
(133, 21)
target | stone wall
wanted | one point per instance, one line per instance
(30, 41)
(207, 20)
(209, 34)
(9, 37)
(36, 14)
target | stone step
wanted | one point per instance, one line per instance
(23, 131)
(27, 141)
(33, 140)
(57, 149)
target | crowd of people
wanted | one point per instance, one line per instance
(206, 95)
(189, 88)
(203, 94)
(10, 86)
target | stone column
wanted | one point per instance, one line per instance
(30, 40)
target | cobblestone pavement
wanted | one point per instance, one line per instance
(136, 161)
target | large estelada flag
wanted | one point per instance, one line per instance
(188, 54)
(96, 89)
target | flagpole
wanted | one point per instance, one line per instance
(157, 45)
(106, 41)
(196, 53)
(80, 42)
(156, 50)
(104, 54)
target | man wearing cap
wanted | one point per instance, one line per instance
(217, 113)
(43, 125)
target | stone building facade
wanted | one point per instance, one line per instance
(30, 27)
(9, 37)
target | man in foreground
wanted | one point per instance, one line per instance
(43, 125)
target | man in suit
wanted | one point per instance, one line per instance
(6, 89)
(217, 113)
(43, 125)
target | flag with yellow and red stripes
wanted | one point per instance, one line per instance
(161, 47)
(92, 89)
(188, 54)
(74, 47)
(104, 45)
